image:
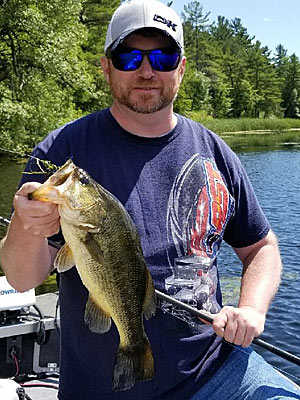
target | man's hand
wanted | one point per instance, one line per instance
(239, 325)
(38, 218)
(26, 257)
(260, 280)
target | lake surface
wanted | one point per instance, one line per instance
(276, 178)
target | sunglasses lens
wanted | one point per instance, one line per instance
(164, 60)
(127, 60)
(131, 59)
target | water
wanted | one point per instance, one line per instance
(275, 176)
(10, 175)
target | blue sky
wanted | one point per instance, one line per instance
(272, 22)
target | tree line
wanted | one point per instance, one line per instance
(50, 72)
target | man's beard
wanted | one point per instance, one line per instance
(145, 104)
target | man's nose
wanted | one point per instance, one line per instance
(145, 70)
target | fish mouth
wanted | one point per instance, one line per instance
(53, 188)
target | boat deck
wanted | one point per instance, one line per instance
(35, 360)
(45, 389)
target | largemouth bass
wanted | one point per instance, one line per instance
(103, 243)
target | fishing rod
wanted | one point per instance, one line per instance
(198, 313)
(4, 222)
(201, 314)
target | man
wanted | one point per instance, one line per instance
(186, 191)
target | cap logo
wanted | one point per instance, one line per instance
(165, 21)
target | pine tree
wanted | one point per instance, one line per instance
(263, 78)
(292, 109)
(291, 81)
(194, 24)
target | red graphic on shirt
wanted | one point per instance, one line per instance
(211, 214)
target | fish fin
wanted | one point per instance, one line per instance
(93, 246)
(95, 318)
(64, 259)
(133, 364)
(149, 304)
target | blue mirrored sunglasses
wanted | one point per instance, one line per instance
(128, 59)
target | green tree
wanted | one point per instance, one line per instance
(222, 33)
(262, 76)
(39, 69)
(292, 109)
(243, 98)
(280, 59)
(291, 81)
(240, 33)
(220, 101)
(95, 16)
(232, 40)
(47, 73)
(196, 87)
(194, 25)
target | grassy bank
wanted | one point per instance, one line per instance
(221, 126)
(253, 133)
(259, 140)
(252, 124)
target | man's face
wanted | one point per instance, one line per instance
(144, 90)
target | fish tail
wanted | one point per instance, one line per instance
(133, 364)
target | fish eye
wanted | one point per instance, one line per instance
(84, 179)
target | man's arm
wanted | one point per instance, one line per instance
(260, 280)
(25, 256)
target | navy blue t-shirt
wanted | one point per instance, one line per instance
(186, 192)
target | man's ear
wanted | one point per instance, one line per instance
(182, 68)
(105, 67)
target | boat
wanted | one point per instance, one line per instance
(29, 344)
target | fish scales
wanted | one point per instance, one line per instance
(103, 243)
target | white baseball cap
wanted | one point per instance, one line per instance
(137, 14)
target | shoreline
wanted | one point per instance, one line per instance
(259, 131)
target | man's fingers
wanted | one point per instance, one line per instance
(36, 217)
(40, 222)
(238, 337)
(219, 323)
(36, 210)
(46, 230)
(27, 188)
(31, 208)
(230, 325)
(238, 325)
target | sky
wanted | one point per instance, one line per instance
(272, 22)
